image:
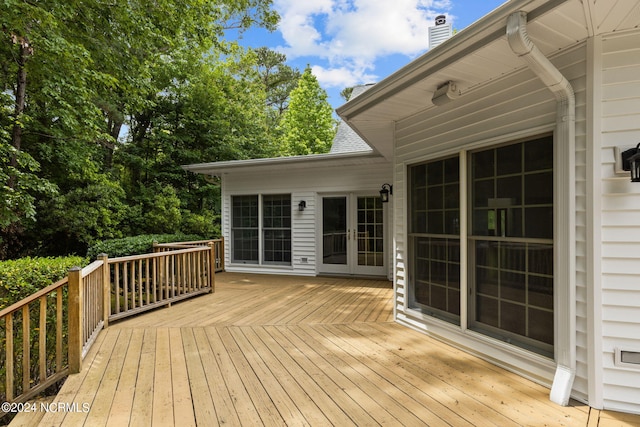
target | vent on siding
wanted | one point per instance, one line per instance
(441, 32)
(627, 358)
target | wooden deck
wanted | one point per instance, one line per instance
(274, 350)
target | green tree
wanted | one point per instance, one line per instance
(72, 73)
(308, 126)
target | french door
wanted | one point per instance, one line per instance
(352, 235)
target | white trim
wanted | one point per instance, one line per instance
(594, 223)
(464, 240)
(618, 358)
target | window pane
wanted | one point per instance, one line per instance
(512, 204)
(509, 159)
(483, 164)
(538, 154)
(276, 224)
(244, 228)
(434, 200)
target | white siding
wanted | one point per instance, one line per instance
(620, 210)
(302, 184)
(516, 106)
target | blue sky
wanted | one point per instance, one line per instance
(349, 42)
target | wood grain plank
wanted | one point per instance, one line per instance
(143, 398)
(400, 404)
(182, 400)
(203, 403)
(163, 411)
(261, 398)
(122, 405)
(308, 407)
(82, 387)
(444, 402)
(101, 406)
(357, 387)
(233, 385)
(286, 408)
(305, 374)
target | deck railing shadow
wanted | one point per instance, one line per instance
(46, 336)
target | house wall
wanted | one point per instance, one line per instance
(306, 184)
(618, 63)
(514, 107)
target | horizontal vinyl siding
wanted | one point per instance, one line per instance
(307, 185)
(516, 106)
(620, 216)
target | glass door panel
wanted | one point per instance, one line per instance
(334, 231)
(370, 235)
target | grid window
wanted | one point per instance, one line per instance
(370, 232)
(512, 241)
(244, 228)
(276, 229)
(261, 225)
(435, 238)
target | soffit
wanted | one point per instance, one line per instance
(478, 56)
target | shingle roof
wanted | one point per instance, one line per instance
(346, 140)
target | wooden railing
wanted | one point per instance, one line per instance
(44, 337)
(217, 243)
(144, 282)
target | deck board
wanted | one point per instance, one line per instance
(276, 351)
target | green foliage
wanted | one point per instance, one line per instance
(308, 125)
(74, 74)
(91, 211)
(136, 245)
(205, 224)
(163, 215)
(23, 277)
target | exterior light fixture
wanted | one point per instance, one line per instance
(631, 162)
(385, 191)
(302, 205)
(446, 92)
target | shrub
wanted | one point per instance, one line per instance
(136, 245)
(25, 276)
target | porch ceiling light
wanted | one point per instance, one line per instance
(446, 92)
(386, 190)
(631, 162)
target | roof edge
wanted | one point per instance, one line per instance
(487, 28)
(205, 168)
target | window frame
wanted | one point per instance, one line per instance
(560, 288)
(262, 229)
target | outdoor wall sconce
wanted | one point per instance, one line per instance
(302, 205)
(631, 162)
(384, 193)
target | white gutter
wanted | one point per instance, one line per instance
(564, 222)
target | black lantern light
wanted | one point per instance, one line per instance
(302, 205)
(631, 162)
(384, 193)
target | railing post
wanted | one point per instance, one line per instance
(75, 320)
(212, 266)
(106, 289)
(221, 254)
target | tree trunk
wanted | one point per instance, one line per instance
(20, 93)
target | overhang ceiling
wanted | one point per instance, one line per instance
(479, 55)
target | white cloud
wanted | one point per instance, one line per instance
(352, 34)
(341, 77)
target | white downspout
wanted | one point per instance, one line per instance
(564, 223)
